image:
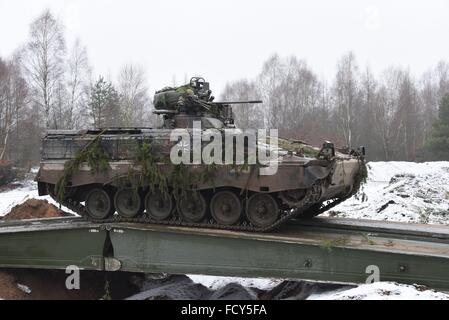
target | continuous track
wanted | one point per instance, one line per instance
(175, 220)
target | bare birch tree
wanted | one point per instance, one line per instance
(346, 96)
(78, 84)
(268, 84)
(134, 99)
(44, 62)
(13, 100)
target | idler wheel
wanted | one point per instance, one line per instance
(128, 203)
(192, 206)
(159, 206)
(226, 207)
(262, 210)
(99, 204)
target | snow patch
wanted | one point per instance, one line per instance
(214, 283)
(401, 191)
(382, 291)
(28, 190)
(24, 288)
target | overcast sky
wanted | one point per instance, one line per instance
(230, 39)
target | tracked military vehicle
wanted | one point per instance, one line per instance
(128, 174)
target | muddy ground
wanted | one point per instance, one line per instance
(30, 284)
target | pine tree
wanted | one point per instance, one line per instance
(438, 143)
(104, 105)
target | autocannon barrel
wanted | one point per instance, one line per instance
(240, 102)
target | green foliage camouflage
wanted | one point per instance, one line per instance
(150, 170)
(209, 174)
(93, 154)
(178, 177)
(360, 180)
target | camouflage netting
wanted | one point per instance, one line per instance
(168, 98)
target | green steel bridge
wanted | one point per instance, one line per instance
(320, 249)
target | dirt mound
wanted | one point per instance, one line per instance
(34, 209)
(9, 288)
(34, 284)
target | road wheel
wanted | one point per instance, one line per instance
(226, 208)
(99, 204)
(192, 206)
(128, 203)
(262, 210)
(159, 206)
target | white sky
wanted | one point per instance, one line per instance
(230, 39)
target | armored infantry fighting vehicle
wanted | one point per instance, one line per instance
(128, 174)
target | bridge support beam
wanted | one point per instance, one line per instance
(320, 251)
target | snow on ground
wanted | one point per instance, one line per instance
(382, 291)
(373, 291)
(215, 283)
(9, 199)
(402, 191)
